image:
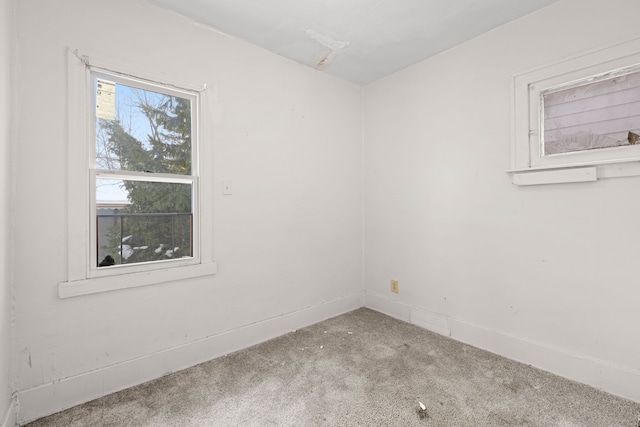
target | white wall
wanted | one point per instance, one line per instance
(287, 242)
(547, 275)
(6, 44)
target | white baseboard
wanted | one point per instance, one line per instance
(9, 419)
(617, 380)
(432, 321)
(387, 306)
(603, 375)
(47, 399)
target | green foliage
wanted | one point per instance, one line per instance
(149, 230)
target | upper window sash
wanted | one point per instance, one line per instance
(97, 73)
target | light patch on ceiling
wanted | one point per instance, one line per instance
(327, 41)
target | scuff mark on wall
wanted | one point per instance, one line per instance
(26, 352)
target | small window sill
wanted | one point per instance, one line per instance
(132, 280)
(558, 174)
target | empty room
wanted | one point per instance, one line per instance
(319, 213)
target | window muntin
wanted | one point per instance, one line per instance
(144, 159)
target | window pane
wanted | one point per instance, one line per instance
(142, 221)
(141, 130)
(602, 114)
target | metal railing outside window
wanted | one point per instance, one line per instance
(142, 237)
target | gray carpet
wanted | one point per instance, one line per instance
(359, 369)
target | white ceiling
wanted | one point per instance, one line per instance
(358, 40)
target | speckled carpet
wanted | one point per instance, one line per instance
(362, 368)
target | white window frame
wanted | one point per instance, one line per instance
(527, 156)
(83, 275)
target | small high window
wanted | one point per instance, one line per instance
(578, 119)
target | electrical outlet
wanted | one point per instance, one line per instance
(395, 288)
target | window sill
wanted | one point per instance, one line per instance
(133, 280)
(558, 174)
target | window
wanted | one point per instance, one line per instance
(144, 162)
(139, 171)
(574, 118)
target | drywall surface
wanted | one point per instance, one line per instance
(545, 274)
(288, 240)
(6, 45)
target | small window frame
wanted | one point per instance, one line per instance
(528, 127)
(83, 275)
